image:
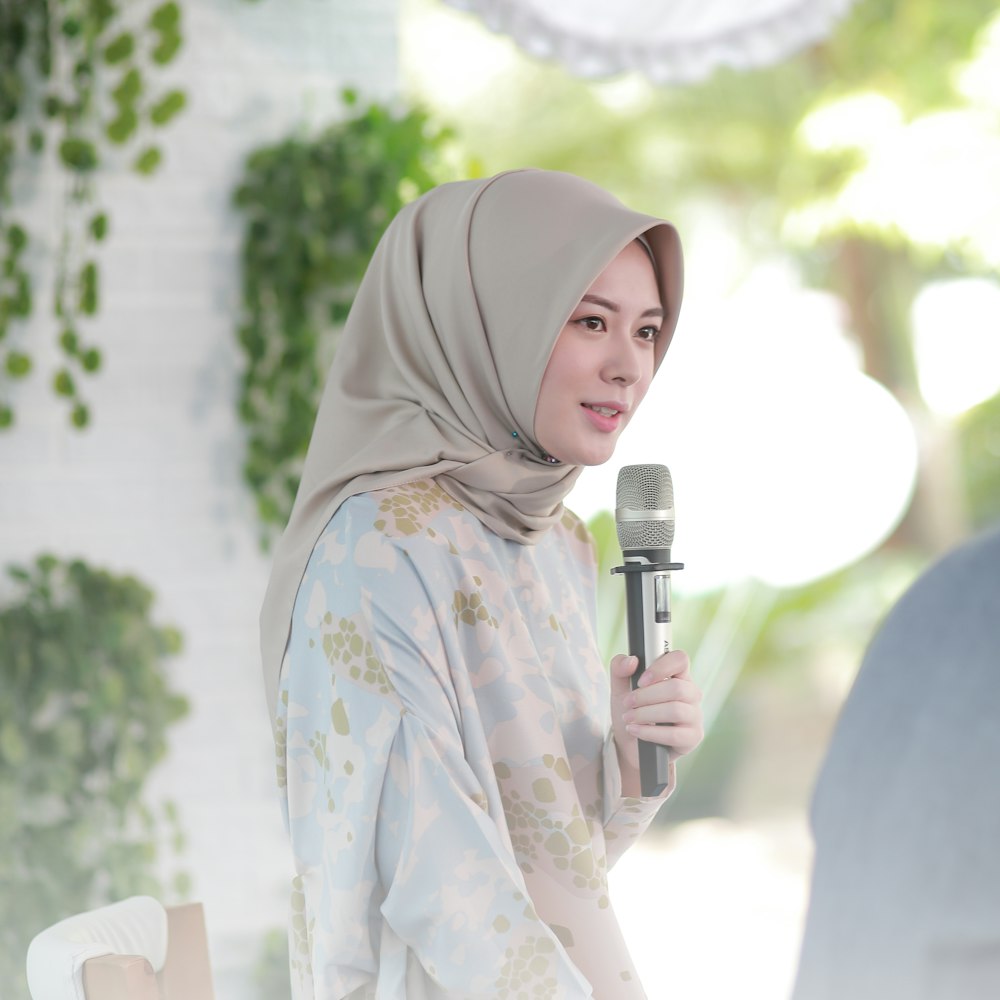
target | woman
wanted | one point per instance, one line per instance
(457, 776)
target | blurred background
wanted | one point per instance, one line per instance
(189, 194)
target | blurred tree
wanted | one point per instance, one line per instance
(749, 142)
(979, 433)
(744, 138)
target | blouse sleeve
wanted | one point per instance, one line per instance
(544, 929)
(454, 893)
(626, 818)
(389, 820)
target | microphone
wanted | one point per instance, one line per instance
(644, 516)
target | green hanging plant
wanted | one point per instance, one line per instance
(85, 706)
(314, 210)
(74, 73)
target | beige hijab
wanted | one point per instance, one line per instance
(438, 369)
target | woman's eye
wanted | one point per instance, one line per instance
(648, 333)
(591, 322)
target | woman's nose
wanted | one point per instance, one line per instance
(623, 362)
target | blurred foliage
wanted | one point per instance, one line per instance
(84, 712)
(737, 133)
(737, 143)
(979, 441)
(271, 980)
(740, 131)
(75, 74)
(314, 210)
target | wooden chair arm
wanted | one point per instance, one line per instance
(186, 973)
(119, 977)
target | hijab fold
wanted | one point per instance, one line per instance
(438, 369)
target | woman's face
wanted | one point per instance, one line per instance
(602, 362)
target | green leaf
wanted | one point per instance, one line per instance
(17, 239)
(89, 289)
(18, 364)
(91, 360)
(69, 341)
(166, 17)
(36, 141)
(129, 88)
(80, 416)
(147, 161)
(121, 128)
(46, 563)
(102, 11)
(173, 640)
(21, 303)
(167, 107)
(63, 383)
(83, 76)
(6, 416)
(78, 154)
(99, 226)
(167, 49)
(120, 49)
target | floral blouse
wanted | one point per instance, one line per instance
(450, 785)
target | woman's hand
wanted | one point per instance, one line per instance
(665, 708)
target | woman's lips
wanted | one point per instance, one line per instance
(603, 422)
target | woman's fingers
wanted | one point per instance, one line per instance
(665, 713)
(675, 689)
(681, 739)
(666, 706)
(672, 664)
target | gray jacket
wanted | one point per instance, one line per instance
(905, 899)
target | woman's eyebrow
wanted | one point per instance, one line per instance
(613, 307)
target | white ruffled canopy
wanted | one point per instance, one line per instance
(669, 41)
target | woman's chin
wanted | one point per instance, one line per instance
(590, 454)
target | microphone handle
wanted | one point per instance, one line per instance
(647, 603)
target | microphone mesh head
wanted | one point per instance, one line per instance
(645, 487)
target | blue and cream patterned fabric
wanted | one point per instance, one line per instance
(450, 785)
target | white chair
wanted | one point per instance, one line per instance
(133, 950)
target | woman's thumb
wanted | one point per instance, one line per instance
(622, 668)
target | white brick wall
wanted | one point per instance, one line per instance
(154, 487)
